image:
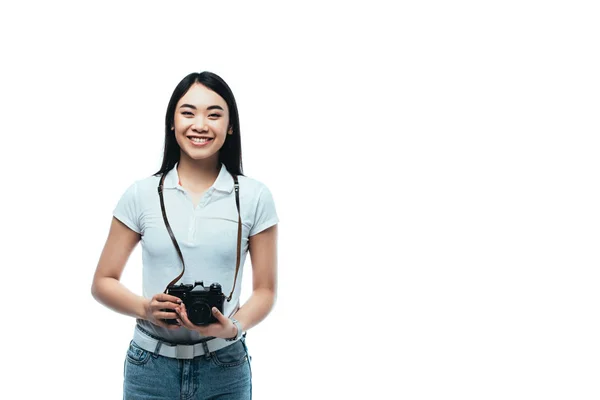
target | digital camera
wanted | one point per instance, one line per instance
(199, 301)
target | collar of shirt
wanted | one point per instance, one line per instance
(223, 183)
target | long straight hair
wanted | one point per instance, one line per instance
(230, 153)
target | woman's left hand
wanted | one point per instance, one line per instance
(223, 328)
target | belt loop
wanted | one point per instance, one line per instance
(157, 349)
(206, 352)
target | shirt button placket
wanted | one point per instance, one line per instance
(192, 228)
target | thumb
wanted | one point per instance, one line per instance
(219, 316)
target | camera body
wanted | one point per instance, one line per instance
(198, 300)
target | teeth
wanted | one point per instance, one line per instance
(199, 140)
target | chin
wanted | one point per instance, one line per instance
(200, 154)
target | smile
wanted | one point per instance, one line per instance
(199, 142)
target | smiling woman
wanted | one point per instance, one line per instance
(197, 218)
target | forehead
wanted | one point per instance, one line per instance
(201, 97)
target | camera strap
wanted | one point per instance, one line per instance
(239, 234)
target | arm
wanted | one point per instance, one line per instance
(263, 251)
(108, 290)
(106, 286)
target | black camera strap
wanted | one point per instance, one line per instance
(239, 235)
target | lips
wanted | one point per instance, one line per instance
(200, 144)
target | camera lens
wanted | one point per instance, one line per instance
(199, 312)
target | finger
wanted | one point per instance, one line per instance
(188, 324)
(183, 319)
(167, 297)
(219, 316)
(165, 315)
(164, 305)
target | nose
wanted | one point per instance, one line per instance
(199, 124)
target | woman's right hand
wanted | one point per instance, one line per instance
(154, 309)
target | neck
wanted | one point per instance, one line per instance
(198, 175)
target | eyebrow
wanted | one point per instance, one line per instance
(215, 107)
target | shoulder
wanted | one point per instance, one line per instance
(261, 204)
(139, 189)
(147, 184)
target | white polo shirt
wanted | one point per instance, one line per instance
(206, 234)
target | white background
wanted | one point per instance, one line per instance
(434, 167)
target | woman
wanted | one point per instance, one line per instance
(216, 215)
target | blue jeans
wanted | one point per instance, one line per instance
(225, 375)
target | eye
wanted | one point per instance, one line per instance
(187, 113)
(215, 115)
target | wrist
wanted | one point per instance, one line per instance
(143, 309)
(233, 332)
(237, 330)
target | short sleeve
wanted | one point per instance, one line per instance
(127, 209)
(266, 214)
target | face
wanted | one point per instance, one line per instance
(201, 113)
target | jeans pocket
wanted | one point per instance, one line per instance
(137, 355)
(231, 356)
